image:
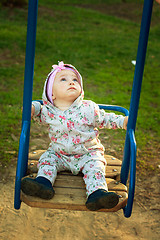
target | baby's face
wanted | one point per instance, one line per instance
(66, 86)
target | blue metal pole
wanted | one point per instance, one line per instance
(114, 108)
(138, 75)
(137, 82)
(27, 98)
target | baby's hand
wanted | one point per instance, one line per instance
(158, 1)
(125, 123)
(32, 111)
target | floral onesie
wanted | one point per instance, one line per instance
(74, 140)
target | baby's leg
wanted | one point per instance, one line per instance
(41, 186)
(94, 176)
(47, 166)
(96, 186)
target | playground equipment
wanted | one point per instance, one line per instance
(73, 197)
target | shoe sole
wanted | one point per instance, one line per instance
(107, 201)
(32, 188)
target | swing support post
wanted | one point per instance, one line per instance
(27, 99)
(129, 159)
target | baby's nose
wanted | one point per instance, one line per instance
(72, 82)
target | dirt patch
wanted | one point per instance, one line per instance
(46, 224)
(129, 11)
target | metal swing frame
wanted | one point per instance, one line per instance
(129, 159)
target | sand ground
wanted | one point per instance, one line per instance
(44, 224)
(32, 223)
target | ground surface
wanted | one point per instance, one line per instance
(28, 223)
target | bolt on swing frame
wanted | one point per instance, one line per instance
(129, 159)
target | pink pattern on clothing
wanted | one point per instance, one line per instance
(48, 173)
(43, 117)
(51, 115)
(62, 117)
(114, 126)
(46, 163)
(85, 176)
(98, 175)
(45, 102)
(62, 152)
(76, 140)
(54, 139)
(86, 104)
(93, 153)
(77, 156)
(102, 124)
(58, 155)
(91, 165)
(96, 112)
(85, 120)
(65, 136)
(70, 125)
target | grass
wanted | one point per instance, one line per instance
(102, 47)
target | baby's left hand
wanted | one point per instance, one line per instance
(125, 123)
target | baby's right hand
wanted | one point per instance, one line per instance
(158, 1)
(32, 111)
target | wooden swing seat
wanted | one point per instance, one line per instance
(70, 192)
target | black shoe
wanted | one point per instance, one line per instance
(102, 199)
(34, 188)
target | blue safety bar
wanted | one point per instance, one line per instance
(114, 108)
(129, 159)
(22, 162)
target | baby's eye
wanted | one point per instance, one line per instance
(63, 79)
(75, 80)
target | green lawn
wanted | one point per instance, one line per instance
(101, 46)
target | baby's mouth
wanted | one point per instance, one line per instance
(72, 88)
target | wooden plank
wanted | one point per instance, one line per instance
(77, 182)
(32, 166)
(70, 200)
(72, 196)
(113, 171)
(111, 161)
(36, 154)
